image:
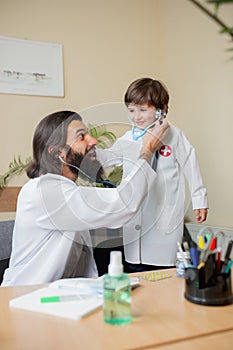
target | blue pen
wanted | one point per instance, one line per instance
(194, 254)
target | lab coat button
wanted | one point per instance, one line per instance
(138, 227)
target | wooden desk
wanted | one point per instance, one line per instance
(219, 341)
(162, 318)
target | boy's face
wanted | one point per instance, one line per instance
(141, 115)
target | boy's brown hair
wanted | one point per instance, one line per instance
(147, 91)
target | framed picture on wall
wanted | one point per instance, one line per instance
(31, 67)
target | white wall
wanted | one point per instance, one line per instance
(106, 45)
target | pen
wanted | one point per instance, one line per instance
(229, 266)
(228, 252)
(218, 259)
(194, 254)
(59, 298)
(227, 255)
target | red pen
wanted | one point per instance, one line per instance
(219, 259)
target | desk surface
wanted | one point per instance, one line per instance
(162, 317)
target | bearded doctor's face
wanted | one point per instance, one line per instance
(80, 140)
(81, 151)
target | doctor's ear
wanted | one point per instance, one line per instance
(58, 151)
(50, 149)
(54, 152)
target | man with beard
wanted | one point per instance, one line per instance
(51, 238)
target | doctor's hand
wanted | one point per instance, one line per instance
(152, 140)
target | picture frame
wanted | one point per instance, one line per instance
(31, 67)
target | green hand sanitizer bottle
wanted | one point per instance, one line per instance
(117, 292)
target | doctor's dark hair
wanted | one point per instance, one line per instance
(147, 91)
(49, 137)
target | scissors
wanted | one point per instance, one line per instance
(207, 243)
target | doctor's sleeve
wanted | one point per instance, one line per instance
(71, 207)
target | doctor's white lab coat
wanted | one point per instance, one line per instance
(51, 236)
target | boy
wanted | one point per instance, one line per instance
(150, 239)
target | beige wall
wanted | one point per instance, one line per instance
(106, 45)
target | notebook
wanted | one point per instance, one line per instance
(84, 295)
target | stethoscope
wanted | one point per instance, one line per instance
(105, 183)
(137, 133)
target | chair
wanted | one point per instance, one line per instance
(6, 231)
(102, 253)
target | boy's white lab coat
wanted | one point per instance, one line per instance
(51, 236)
(151, 237)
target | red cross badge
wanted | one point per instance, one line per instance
(165, 151)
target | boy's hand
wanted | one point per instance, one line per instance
(201, 214)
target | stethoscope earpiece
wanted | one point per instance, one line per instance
(159, 115)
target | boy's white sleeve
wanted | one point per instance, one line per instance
(187, 159)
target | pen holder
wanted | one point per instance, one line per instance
(202, 287)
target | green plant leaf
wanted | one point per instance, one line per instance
(219, 2)
(110, 135)
(101, 144)
(93, 131)
(16, 167)
(102, 135)
(100, 131)
(116, 175)
(227, 30)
